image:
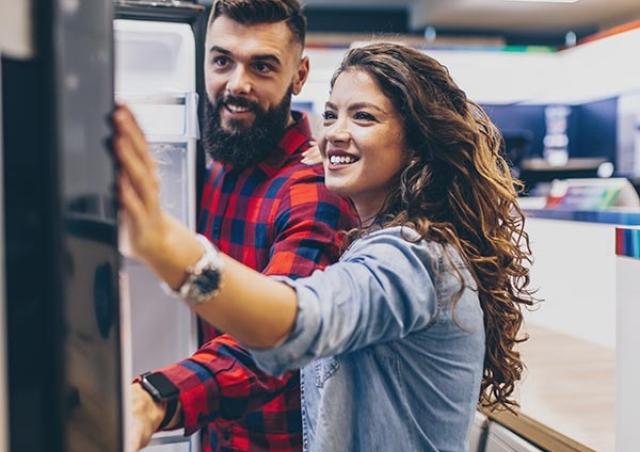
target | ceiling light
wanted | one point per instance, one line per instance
(544, 1)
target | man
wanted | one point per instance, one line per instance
(260, 205)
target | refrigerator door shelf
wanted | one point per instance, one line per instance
(164, 116)
(174, 169)
(176, 164)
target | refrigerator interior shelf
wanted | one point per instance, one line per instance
(165, 115)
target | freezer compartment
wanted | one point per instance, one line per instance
(154, 57)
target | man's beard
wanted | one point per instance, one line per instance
(240, 145)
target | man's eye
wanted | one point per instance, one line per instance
(220, 61)
(328, 115)
(363, 116)
(262, 68)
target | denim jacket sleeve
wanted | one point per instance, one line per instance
(381, 290)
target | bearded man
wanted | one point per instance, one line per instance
(261, 205)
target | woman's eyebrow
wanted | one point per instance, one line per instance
(356, 106)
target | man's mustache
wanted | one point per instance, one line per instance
(237, 101)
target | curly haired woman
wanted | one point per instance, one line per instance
(417, 322)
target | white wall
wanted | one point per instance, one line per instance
(604, 68)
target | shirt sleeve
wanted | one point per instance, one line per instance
(305, 226)
(380, 292)
(222, 379)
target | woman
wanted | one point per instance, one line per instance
(419, 319)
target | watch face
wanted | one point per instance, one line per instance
(159, 386)
(207, 282)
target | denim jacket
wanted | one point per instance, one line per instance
(391, 351)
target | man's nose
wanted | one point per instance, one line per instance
(240, 82)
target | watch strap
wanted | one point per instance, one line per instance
(169, 412)
(209, 265)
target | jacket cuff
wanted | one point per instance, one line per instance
(199, 394)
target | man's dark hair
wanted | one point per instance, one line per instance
(251, 12)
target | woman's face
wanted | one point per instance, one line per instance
(363, 142)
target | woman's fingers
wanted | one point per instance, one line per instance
(132, 204)
(128, 125)
(142, 179)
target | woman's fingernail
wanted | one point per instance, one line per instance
(120, 115)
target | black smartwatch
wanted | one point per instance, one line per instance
(163, 390)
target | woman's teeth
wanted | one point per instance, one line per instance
(341, 159)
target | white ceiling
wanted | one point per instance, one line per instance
(503, 14)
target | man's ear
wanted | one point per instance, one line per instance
(302, 73)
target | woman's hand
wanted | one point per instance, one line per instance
(255, 309)
(139, 187)
(165, 244)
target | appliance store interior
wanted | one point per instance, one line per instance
(80, 318)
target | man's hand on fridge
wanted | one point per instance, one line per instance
(146, 417)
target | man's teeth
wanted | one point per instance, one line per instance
(341, 159)
(236, 109)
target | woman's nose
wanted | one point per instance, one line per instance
(338, 134)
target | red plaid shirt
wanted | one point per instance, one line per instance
(279, 219)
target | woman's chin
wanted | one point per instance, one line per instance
(338, 189)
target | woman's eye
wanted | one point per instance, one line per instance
(363, 116)
(328, 115)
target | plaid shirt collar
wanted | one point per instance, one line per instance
(295, 136)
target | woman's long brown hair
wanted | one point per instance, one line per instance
(457, 189)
